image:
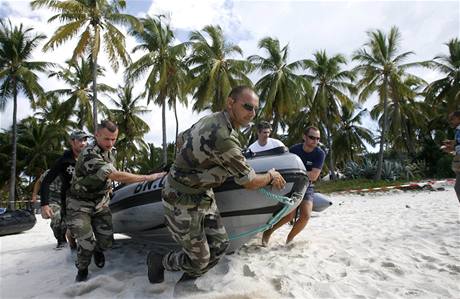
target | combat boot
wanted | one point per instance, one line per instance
(99, 258)
(186, 286)
(60, 243)
(156, 270)
(82, 275)
(186, 277)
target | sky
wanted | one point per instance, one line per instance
(339, 27)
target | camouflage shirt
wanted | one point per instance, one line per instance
(209, 153)
(90, 179)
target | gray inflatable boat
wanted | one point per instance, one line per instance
(138, 211)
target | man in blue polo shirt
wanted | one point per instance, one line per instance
(313, 158)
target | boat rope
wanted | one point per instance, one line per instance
(288, 202)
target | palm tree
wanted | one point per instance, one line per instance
(446, 91)
(281, 90)
(149, 158)
(5, 156)
(94, 17)
(57, 116)
(331, 84)
(18, 74)
(78, 76)
(165, 64)
(348, 140)
(380, 68)
(39, 145)
(404, 113)
(297, 124)
(214, 69)
(132, 127)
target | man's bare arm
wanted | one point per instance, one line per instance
(314, 174)
(272, 177)
(35, 190)
(129, 178)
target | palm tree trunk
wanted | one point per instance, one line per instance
(177, 120)
(275, 125)
(94, 93)
(378, 175)
(11, 196)
(409, 142)
(163, 125)
(331, 155)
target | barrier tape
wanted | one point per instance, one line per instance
(432, 185)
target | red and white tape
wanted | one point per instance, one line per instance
(419, 185)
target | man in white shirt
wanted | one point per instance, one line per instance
(263, 142)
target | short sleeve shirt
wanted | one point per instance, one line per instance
(313, 159)
(211, 152)
(271, 143)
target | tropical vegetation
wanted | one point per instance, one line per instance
(321, 90)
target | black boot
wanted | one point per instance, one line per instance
(156, 270)
(99, 258)
(186, 286)
(60, 244)
(82, 275)
(186, 277)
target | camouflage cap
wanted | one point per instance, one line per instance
(79, 134)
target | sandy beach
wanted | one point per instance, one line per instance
(384, 245)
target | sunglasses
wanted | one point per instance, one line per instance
(314, 138)
(250, 107)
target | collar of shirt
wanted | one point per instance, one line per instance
(227, 119)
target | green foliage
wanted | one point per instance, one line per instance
(443, 167)
(382, 71)
(214, 68)
(391, 170)
(164, 63)
(417, 169)
(18, 75)
(445, 92)
(415, 129)
(281, 90)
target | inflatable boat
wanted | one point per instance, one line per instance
(137, 210)
(13, 222)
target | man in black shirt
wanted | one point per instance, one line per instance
(62, 168)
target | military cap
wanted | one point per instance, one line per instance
(79, 134)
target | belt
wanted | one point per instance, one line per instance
(183, 188)
(88, 197)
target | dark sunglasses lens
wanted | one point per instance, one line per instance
(313, 138)
(249, 107)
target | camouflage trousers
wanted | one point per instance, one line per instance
(91, 224)
(196, 225)
(58, 224)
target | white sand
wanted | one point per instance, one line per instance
(392, 245)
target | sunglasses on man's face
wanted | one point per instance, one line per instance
(250, 107)
(314, 138)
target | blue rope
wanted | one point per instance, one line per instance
(288, 203)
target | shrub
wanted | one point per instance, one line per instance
(391, 170)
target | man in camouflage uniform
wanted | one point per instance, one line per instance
(57, 224)
(208, 153)
(62, 170)
(88, 214)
